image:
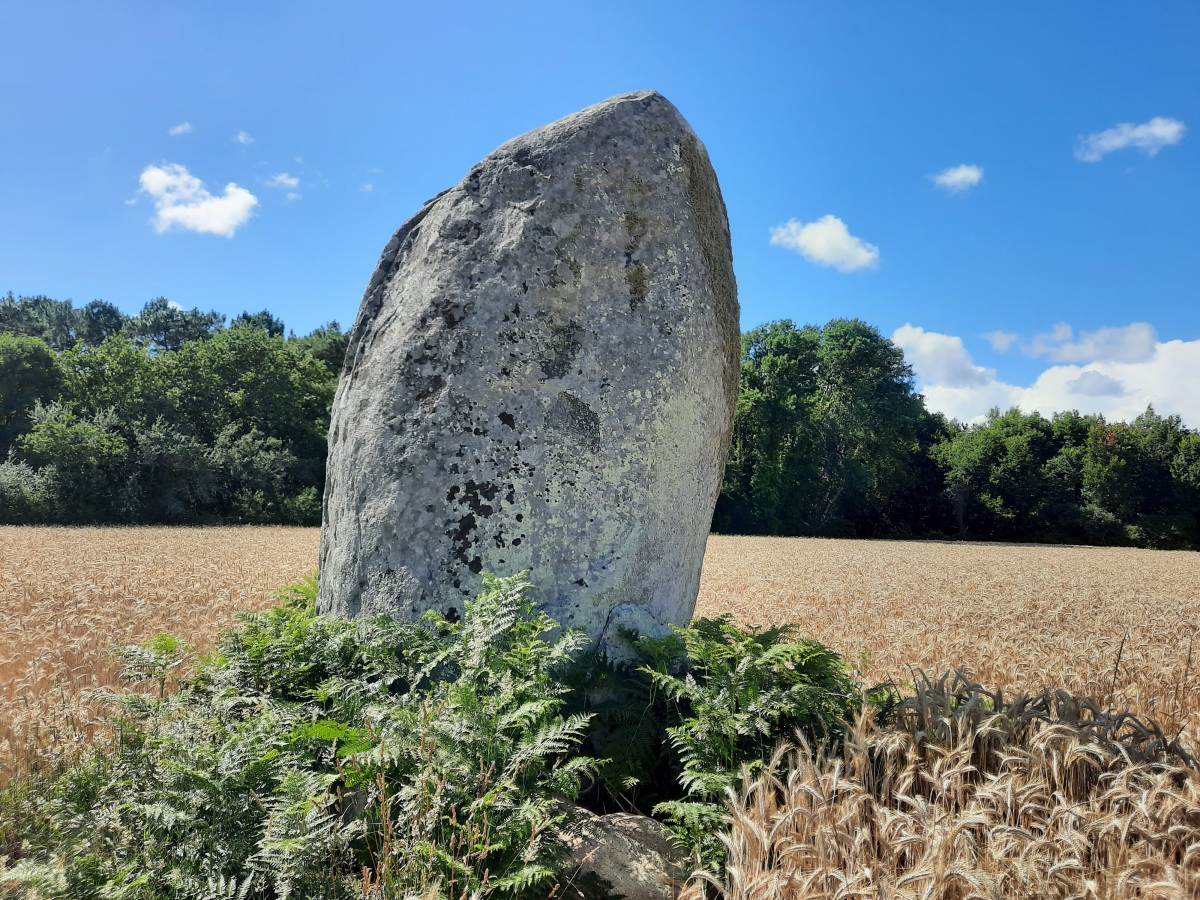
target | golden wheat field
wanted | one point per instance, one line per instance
(1118, 624)
(68, 594)
(976, 794)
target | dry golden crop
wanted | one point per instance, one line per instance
(68, 594)
(973, 796)
(1119, 625)
(1113, 623)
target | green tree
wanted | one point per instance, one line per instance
(771, 462)
(49, 320)
(1131, 472)
(28, 375)
(867, 415)
(996, 474)
(173, 478)
(327, 343)
(264, 320)
(98, 321)
(825, 430)
(87, 459)
(245, 377)
(162, 325)
(255, 473)
(119, 375)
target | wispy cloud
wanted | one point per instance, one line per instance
(182, 201)
(957, 179)
(1129, 343)
(826, 242)
(1149, 137)
(1002, 340)
(181, 128)
(367, 187)
(283, 180)
(242, 138)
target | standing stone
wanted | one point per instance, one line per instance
(542, 376)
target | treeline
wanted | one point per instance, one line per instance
(830, 438)
(166, 416)
(173, 415)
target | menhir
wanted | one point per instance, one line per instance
(542, 376)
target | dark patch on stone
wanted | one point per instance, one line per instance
(563, 347)
(468, 232)
(476, 496)
(460, 537)
(507, 419)
(635, 280)
(576, 419)
(635, 272)
(433, 385)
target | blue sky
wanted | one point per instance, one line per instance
(1053, 267)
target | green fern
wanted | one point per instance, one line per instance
(314, 757)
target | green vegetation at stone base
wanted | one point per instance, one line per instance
(318, 757)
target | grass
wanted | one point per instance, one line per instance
(974, 793)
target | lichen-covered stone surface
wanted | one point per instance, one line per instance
(542, 376)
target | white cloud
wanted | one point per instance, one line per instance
(1002, 340)
(826, 242)
(181, 128)
(284, 180)
(1118, 388)
(173, 305)
(941, 358)
(1135, 342)
(1091, 383)
(242, 138)
(292, 195)
(958, 178)
(367, 187)
(1149, 137)
(181, 201)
